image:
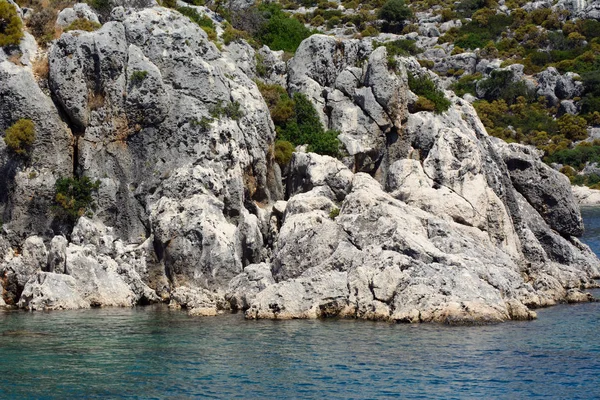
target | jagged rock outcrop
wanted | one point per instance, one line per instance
(426, 218)
(532, 178)
(354, 92)
(79, 11)
(179, 137)
(94, 269)
(409, 262)
(554, 86)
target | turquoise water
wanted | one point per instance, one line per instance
(153, 352)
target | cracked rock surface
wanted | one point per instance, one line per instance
(425, 218)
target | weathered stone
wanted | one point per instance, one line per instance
(49, 291)
(79, 11)
(547, 190)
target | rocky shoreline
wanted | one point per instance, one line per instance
(586, 197)
(423, 218)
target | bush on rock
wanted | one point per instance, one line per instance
(74, 197)
(11, 26)
(20, 136)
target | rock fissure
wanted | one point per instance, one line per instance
(190, 209)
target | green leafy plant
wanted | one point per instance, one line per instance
(283, 152)
(394, 13)
(297, 123)
(466, 84)
(201, 20)
(500, 85)
(20, 136)
(82, 24)
(400, 47)
(334, 213)
(11, 27)
(228, 109)
(169, 3)
(305, 128)
(279, 31)
(423, 86)
(137, 77)
(73, 197)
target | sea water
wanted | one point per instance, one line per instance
(154, 352)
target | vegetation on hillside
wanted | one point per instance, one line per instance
(20, 136)
(297, 123)
(11, 27)
(74, 197)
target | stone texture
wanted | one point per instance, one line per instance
(547, 190)
(78, 11)
(49, 291)
(425, 218)
(586, 196)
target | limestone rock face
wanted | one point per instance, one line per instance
(354, 92)
(27, 191)
(424, 218)
(94, 269)
(79, 11)
(448, 238)
(49, 291)
(548, 191)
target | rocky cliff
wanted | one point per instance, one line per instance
(423, 218)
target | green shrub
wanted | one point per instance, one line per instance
(283, 152)
(333, 214)
(20, 136)
(305, 128)
(394, 11)
(500, 85)
(230, 110)
(477, 34)
(531, 122)
(466, 84)
(279, 31)
(201, 20)
(573, 127)
(137, 77)
(425, 87)
(230, 34)
(280, 104)
(11, 27)
(575, 157)
(400, 47)
(466, 8)
(73, 197)
(82, 24)
(423, 104)
(590, 102)
(169, 3)
(297, 121)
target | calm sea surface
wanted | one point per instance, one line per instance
(152, 352)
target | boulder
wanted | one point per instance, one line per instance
(50, 291)
(547, 190)
(79, 11)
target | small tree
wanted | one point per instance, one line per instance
(74, 197)
(11, 25)
(20, 136)
(394, 12)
